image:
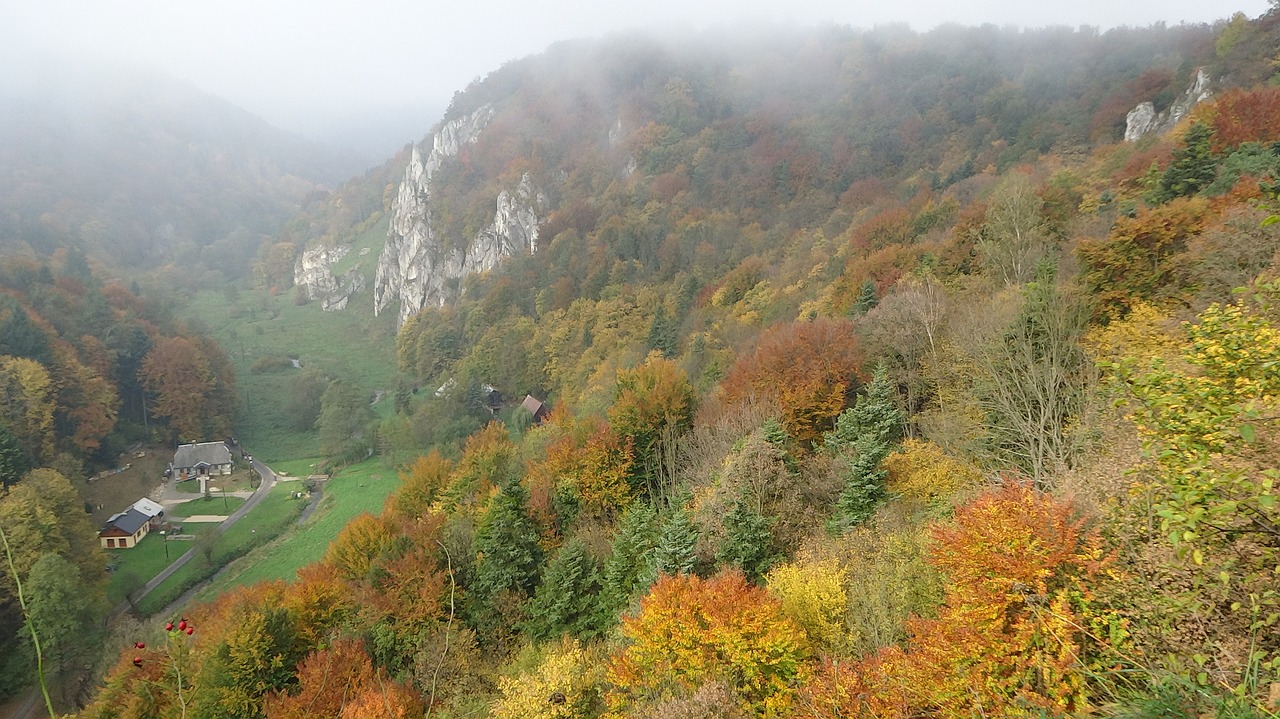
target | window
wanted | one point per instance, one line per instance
(111, 543)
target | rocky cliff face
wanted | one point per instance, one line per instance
(1144, 120)
(314, 271)
(417, 267)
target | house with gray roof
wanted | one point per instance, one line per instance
(200, 460)
(149, 507)
(124, 530)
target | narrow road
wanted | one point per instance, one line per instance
(33, 705)
(268, 481)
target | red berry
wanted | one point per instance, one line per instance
(182, 625)
(140, 645)
(191, 630)
(168, 627)
(137, 661)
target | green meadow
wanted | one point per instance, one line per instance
(258, 328)
(262, 524)
(359, 488)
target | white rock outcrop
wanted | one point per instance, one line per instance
(1144, 120)
(313, 270)
(418, 268)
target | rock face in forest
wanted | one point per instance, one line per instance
(1144, 120)
(418, 266)
(313, 270)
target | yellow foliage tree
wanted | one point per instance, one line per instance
(354, 551)
(420, 482)
(27, 405)
(564, 686)
(690, 631)
(921, 470)
(812, 594)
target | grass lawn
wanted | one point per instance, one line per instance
(237, 481)
(359, 488)
(297, 467)
(262, 524)
(351, 344)
(136, 566)
(216, 504)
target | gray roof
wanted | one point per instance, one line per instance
(149, 507)
(128, 521)
(210, 453)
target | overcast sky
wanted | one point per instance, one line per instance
(313, 66)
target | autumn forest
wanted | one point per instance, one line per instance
(886, 378)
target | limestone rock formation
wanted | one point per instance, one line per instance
(313, 270)
(417, 267)
(1144, 120)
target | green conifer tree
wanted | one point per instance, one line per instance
(1193, 166)
(675, 552)
(567, 598)
(13, 461)
(508, 558)
(864, 435)
(662, 334)
(867, 299)
(748, 543)
(627, 570)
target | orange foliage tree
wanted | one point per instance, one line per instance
(319, 600)
(653, 406)
(690, 631)
(179, 377)
(1241, 116)
(327, 680)
(811, 369)
(592, 464)
(1017, 630)
(1137, 261)
(408, 582)
(340, 681)
(420, 482)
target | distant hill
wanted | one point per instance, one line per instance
(638, 157)
(143, 170)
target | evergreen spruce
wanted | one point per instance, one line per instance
(566, 601)
(13, 461)
(747, 542)
(864, 435)
(20, 337)
(627, 570)
(776, 435)
(867, 299)
(1193, 166)
(662, 333)
(675, 552)
(508, 558)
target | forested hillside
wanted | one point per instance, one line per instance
(145, 172)
(87, 368)
(887, 381)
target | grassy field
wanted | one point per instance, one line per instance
(351, 344)
(261, 525)
(256, 328)
(115, 492)
(136, 566)
(296, 467)
(359, 488)
(214, 504)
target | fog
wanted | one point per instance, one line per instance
(374, 74)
